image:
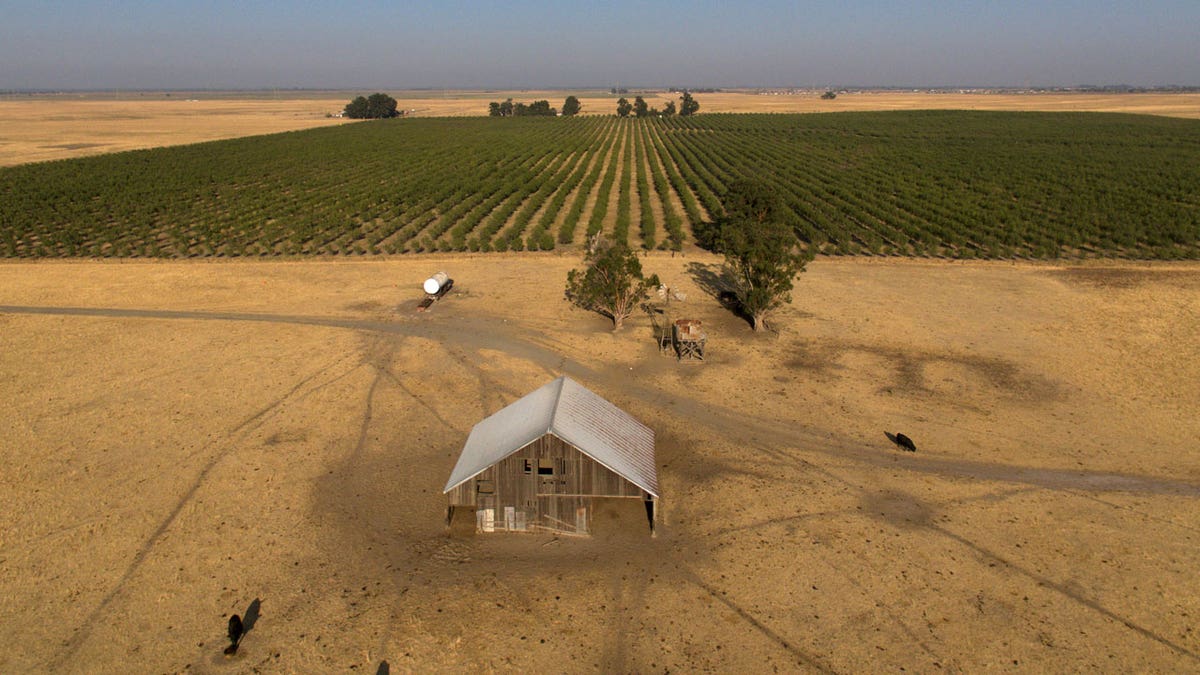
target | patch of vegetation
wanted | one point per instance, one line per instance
(536, 109)
(762, 255)
(925, 183)
(374, 107)
(687, 104)
(611, 281)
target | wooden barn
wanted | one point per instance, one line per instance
(540, 463)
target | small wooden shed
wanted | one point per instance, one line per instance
(690, 339)
(539, 463)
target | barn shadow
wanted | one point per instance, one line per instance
(461, 523)
(620, 520)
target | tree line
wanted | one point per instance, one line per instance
(540, 108)
(639, 108)
(571, 106)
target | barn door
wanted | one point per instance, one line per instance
(485, 514)
(485, 520)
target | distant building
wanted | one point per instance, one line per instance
(540, 463)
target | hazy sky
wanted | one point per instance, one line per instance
(129, 44)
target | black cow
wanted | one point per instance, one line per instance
(235, 634)
(905, 442)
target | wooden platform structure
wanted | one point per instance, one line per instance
(689, 340)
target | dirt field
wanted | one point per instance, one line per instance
(38, 129)
(1171, 105)
(35, 130)
(182, 440)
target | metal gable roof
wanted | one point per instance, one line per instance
(575, 414)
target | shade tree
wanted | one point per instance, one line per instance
(763, 256)
(375, 106)
(611, 281)
(687, 104)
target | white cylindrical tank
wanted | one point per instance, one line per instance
(434, 283)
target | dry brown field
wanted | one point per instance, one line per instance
(181, 439)
(46, 128)
(462, 103)
(41, 129)
(1171, 105)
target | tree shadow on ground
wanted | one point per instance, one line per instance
(716, 281)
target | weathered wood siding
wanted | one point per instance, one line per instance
(546, 484)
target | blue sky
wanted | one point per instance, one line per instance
(129, 44)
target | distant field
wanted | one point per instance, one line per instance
(1171, 105)
(35, 130)
(933, 183)
(40, 128)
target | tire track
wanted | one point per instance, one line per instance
(803, 657)
(230, 441)
(484, 332)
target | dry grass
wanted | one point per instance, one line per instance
(456, 103)
(35, 130)
(193, 436)
(38, 129)
(1171, 105)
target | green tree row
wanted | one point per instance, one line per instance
(540, 108)
(639, 107)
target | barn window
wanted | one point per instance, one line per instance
(545, 467)
(484, 487)
(528, 465)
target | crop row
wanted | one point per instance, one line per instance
(933, 183)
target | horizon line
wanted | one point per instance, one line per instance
(1119, 87)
